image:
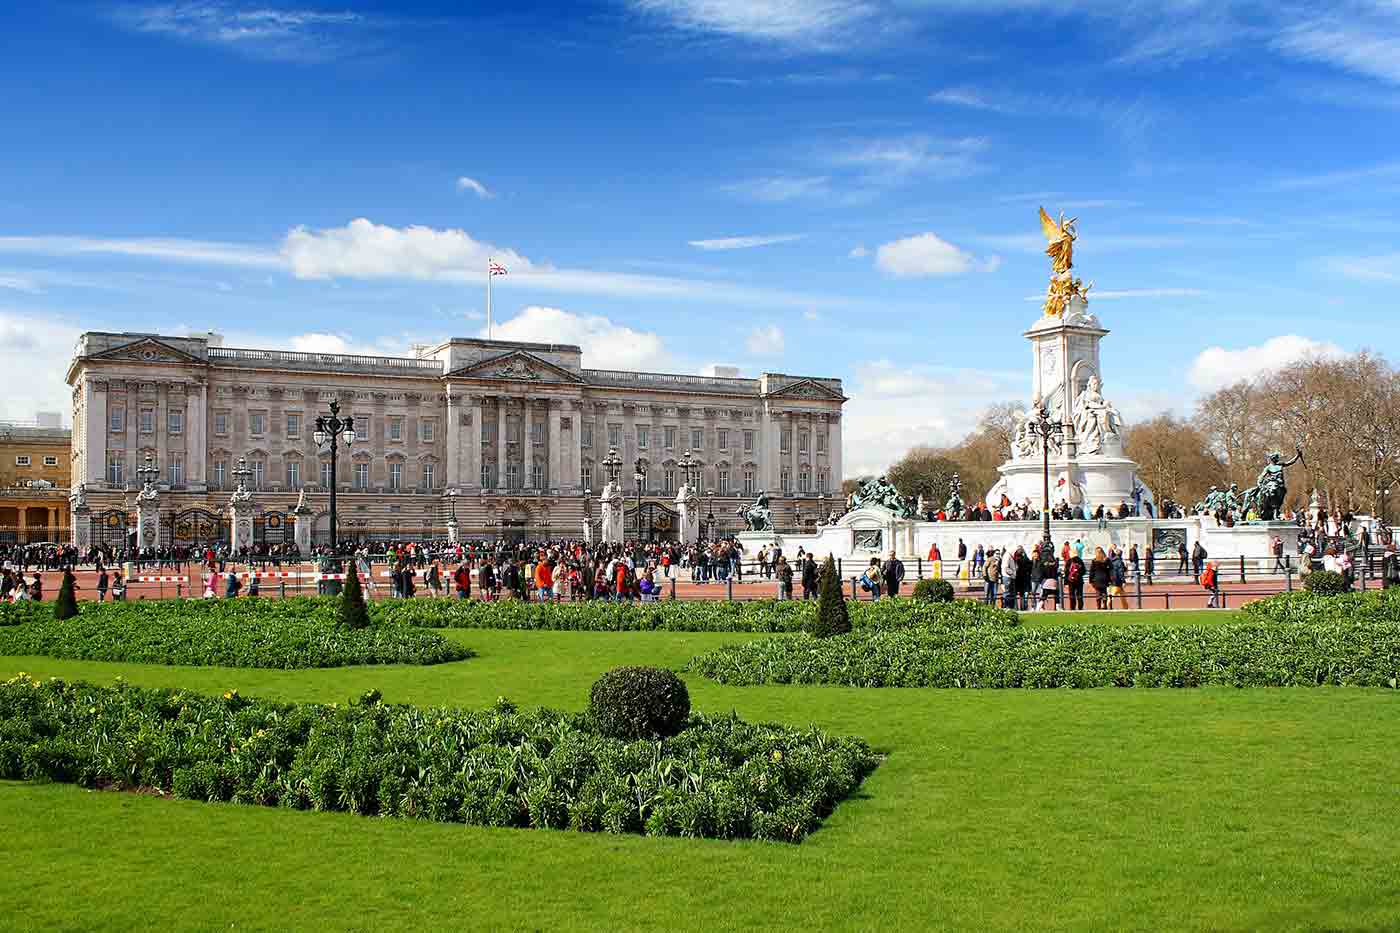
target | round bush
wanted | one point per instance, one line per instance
(1324, 583)
(934, 591)
(639, 703)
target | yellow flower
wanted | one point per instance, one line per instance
(777, 754)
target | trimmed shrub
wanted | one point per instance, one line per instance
(721, 778)
(1325, 583)
(832, 617)
(639, 703)
(353, 612)
(66, 607)
(934, 591)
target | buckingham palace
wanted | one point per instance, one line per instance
(498, 437)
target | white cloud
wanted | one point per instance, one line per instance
(1384, 268)
(797, 22)
(38, 347)
(466, 183)
(302, 35)
(966, 97)
(858, 252)
(20, 284)
(895, 159)
(193, 251)
(928, 254)
(765, 340)
(365, 250)
(810, 315)
(1347, 43)
(1337, 178)
(1216, 367)
(779, 188)
(722, 370)
(606, 344)
(745, 242)
(896, 407)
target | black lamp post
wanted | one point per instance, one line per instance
(330, 429)
(1383, 495)
(710, 518)
(148, 474)
(613, 464)
(687, 465)
(639, 473)
(1049, 432)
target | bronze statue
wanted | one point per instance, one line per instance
(1269, 491)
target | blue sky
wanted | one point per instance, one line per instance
(833, 187)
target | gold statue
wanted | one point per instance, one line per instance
(1061, 237)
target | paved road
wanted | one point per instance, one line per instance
(1169, 592)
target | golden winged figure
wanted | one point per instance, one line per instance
(1060, 235)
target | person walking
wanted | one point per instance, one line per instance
(1198, 559)
(893, 572)
(1150, 564)
(1276, 545)
(784, 573)
(991, 575)
(809, 578)
(1117, 580)
(1074, 581)
(1100, 576)
(1049, 579)
(871, 581)
(102, 584)
(1182, 557)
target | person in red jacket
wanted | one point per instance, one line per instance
(934, 553)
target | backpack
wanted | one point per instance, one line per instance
(1076, 571)
(1208, 577)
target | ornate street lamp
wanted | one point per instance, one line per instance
(612, 463)
(452, 502)
(149, 473)
(687, 465)
(710, 518)
(1048, 432)
(241, 473)
(330, 429)
(639, 473)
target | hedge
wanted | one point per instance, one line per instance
(1344, 652)
(290, 633)
(720, 777)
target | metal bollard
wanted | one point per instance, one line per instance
(1139, 589)
(729, 588)
(673, 589)
(1168, 598)
(853, 590)
(282, 589)
(1224, 600)
(919, 563)
(1288, 575)
(1242, 580)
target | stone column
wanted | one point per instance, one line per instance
(454, 439)
(162, 445)
(580, 410)
(795, 427)
(81, 524)
(95, 404)
(240, 508)
(527, 445)
(553, 480)
(194, 435)
(473, 444)
(131, 440)
(833, 456)
(148, 519)
(501, 447)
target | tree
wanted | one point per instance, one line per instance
(832, 617)
(849, 486)
(1173, 459)
(923, 471)
(353, 611)
(67, 605)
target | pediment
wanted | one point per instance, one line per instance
(807, 388)
(146, 350)
(516, 366)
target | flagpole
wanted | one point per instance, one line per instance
(488, 297)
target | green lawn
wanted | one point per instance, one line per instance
(1072, 810)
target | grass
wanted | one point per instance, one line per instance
(1146, 809)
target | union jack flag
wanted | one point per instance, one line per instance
(495, 267)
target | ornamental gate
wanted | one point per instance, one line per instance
(272, 528)
(197, 529)
(109, 528)
(658, 523)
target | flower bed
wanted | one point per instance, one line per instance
(291, 633)
(1308, 653)
(720, 777)
(678, 616)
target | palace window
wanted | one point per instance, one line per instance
(615, 435)
(723, 482)
(148, 420)
(395, 477)
(221, 473)
(749, 488)
(585, 476)
(325, 474)
(670, 437)
(256, 422)
(537, 476)
(116, 419)
(486, 477)
(426, 431)
(821, 442)
(821, 481)
(293, 474)
(220, 422)
(644, 436)
(175, 422)
(115, 466)
(50, 461)
(259, 471)
(536, 434)
(513, 432)
(427, 476)
(293, 425)
(697, 439)
(362, 476)
(748, 442)
(722, 438)
(586, 436)
(512, 476)
(785, 442)
(668, 480)
(396, 428)
(785, 481)
(804, 481)
(177, 470)
(362, 426)
(802, 441)
(22, 460)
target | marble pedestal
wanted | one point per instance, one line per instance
(147, 522)
(240, 512)
(82, 527)
(301, 531)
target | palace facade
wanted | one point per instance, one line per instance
(508, 437)
(34, 466)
